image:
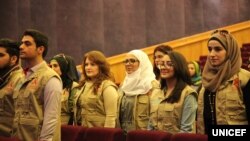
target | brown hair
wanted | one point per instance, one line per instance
(104, 69)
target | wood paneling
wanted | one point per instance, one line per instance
(191, 47)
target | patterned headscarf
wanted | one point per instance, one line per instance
(213, 77)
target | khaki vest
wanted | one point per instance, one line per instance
(29, 105)
(65, 109)
(167, 116)
(230, 109)
(7, 103)
(140, 112)
(89, 110)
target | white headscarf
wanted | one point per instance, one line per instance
(139, 82)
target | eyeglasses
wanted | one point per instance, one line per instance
(63, 56)
(166, 64)
(130, 61)
(221, 32)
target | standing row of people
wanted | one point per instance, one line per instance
(162, 96)
(30, 100)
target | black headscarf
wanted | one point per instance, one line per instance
(68, 69)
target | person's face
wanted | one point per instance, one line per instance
(131, 63)
(91, 68)
(217, 53)
(4, 58)
(158, 57)
(28, 48)
(55, 66)
(191, 69)
(166, 68)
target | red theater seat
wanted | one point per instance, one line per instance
(246, 45)
(202, 61)
(8, 139)
(144, 135)
(82, 134)
(70, 132)
(189, 137)
(104, 134)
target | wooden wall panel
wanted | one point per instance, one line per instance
(191, 47)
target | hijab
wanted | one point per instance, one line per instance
(196, 79)
(214, 76)
(68, 69)
(139, 82)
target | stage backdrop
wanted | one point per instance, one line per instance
(116, 26)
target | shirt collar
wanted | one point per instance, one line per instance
(35, 68)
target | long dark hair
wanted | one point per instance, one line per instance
(181, 73)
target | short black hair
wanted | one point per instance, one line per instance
(39, 38)
(11, 46)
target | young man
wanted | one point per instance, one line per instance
(10, 75)
(38, 98)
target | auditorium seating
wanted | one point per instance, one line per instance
(104, 134)
(8, 139)
(245, 54)
(79, 133)
(189, 137)
(144, 135)
(69, 132)
(202, 61)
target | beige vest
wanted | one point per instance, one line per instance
(167, 116)
(89, 111)
(7, 103)
(29, 106)
(65, 109)
(230, 109)
(140, 113)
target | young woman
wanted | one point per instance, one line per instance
(173, 102)
(65, 67)
(135, 90)
(224, 99)
(97, 96)
(159, 52)
(195, 73)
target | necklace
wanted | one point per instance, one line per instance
(211, 98)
